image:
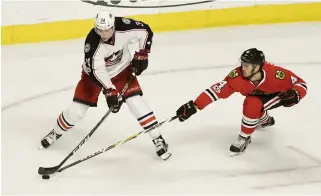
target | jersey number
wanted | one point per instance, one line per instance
(218, 87)
(139, 24)
(86, 66)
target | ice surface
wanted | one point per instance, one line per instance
(38, 82)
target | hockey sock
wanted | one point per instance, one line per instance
(69, 117)
(264, 117)
(248, 125)
(144, 114)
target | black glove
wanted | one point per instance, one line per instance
(289, 98)
(186, 111)
(140, 62)
(113, 101)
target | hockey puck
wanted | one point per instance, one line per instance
(46, 177)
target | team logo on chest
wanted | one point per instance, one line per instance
(114, 58)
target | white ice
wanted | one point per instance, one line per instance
(38, 82)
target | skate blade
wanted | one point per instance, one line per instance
(41, 147)
(262, 127)
(233, 154)
(166, 156)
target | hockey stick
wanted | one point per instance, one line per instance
(116, 144)
(51, 170)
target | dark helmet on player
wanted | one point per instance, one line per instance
(252, 61)
(253, 56)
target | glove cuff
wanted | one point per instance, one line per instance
(297, 94)
(110, 92)
(141, 55)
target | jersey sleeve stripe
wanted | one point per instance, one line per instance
(209, 95)
(304, 86)
(212, 94)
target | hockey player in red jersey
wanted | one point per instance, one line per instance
(107, 67)
(265, 87)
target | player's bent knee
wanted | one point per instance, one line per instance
(133, 99)
(135, 94)
(76, 111)
(252, 106)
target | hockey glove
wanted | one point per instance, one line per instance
(186, 111)
(140, 62)
(112, 98)
(289, 98)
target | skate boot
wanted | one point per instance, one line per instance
(239, 146)
(270, 122)
(161, 148)
(49, 139)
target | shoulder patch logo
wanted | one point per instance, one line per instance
(294, 79)
(126, 20)
(87, 47)
(218, 86)
(280, 75)
(233, 74)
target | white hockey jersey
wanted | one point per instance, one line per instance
(105, 60)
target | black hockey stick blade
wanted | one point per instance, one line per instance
(48, 170)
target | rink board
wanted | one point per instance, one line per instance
(173, 21)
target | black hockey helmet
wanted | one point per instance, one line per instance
(253, 56)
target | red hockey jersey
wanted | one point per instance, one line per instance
(275, 79)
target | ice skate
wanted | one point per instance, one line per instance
(161, 148)
(240, 145)
(270, 122)
(49, 139)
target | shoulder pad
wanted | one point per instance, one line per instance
(125, 24)
(233, 74)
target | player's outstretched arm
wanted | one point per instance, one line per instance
(220, 90)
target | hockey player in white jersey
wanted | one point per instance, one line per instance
(107, 66)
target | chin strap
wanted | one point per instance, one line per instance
(250, 77)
